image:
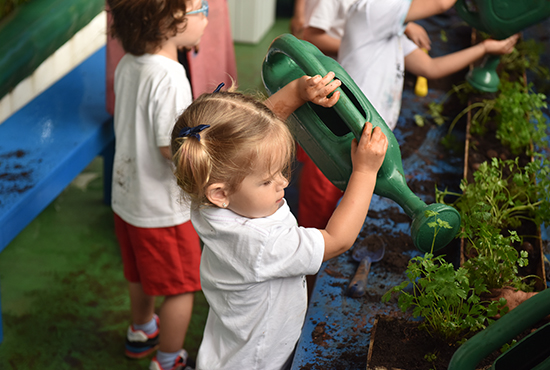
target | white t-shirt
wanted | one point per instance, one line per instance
(373, 51)
(151, 91)
(253, 276)
(328, 15)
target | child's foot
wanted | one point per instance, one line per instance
(182, 363)
(140, 344)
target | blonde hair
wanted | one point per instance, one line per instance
(244, 136)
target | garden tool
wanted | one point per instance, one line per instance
(500, 19)
(421, 86)
(326, 134)
(366, 254)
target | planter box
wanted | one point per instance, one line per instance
(536, 249)
(536, 255)
(251, 19)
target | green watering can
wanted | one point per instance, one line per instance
(326, 134)
(500, 19)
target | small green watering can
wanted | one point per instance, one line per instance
(326, 134)
(500, 19)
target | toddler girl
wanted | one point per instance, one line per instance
(232, 156)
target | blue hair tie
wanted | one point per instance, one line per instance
(192, 131)
(218, 88)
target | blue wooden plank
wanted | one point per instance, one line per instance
(47, 143)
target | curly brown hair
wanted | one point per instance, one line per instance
(143, 25)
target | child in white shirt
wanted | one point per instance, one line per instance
(232, 156)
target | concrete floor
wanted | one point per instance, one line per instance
(64, 299)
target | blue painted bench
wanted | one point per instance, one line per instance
(48, 142)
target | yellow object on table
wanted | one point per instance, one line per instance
(421, 87)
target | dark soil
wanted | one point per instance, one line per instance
(400, 344)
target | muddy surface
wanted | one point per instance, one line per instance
(400, 344)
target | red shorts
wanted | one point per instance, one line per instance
(164, 260)
(317, 197)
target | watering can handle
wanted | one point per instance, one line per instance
(472, 18)
(308, 61)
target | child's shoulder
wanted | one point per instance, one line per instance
(153, 67)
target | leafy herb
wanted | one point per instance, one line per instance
(520, 118)
(502, 196)
(444, 297)
(524, 57)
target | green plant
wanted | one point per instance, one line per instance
(508, 346)
(494, 261)
(516, 109)
(447, 300)
(517, 112)
(519, 116)
(431, 357)
(524, 57)
(502, 196)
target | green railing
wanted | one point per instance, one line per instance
(35, 30)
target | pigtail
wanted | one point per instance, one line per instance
(192, 166)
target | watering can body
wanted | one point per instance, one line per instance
(326, 134)
(502, 18)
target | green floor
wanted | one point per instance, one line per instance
(64, 299)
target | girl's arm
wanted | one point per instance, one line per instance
(296, 93)
(345, 223)
(420, 9)
(422, 64)
(298, 20)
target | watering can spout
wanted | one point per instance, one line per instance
(326, 134)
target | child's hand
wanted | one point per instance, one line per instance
(368, 155)
(417, 34)
(315, 89)
(500, 47)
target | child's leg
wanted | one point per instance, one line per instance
(175, 315)
(142, 306)
(179, 278)
(142, 336)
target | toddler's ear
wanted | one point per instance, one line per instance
(217, 195)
